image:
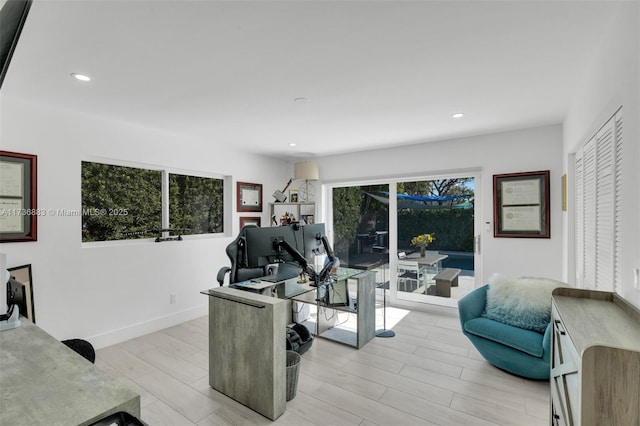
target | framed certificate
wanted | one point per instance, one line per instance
(249, 220)
(18, 197)
(521, 205)
(249, 197)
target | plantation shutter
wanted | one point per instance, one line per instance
(598, 192)
(604, 208)
(589, 185)
(579, 219)
(617, 199)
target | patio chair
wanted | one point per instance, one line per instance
(410, 274)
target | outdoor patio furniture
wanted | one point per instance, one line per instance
(410, 274)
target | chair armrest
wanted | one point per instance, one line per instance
(473, 304)
(221, 274)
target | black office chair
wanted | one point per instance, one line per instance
(238, 271)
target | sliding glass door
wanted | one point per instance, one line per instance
(435, 239)
(408, 232)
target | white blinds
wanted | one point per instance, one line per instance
(598, 192)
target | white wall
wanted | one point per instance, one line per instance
(612, 81)
(509, 152)
(111, 292)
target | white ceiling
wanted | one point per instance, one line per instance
(373, 73)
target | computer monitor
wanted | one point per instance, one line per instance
(262, 248)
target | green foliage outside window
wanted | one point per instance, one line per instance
(195, 203)
(346, 218)
(354, 212)
(119, 202)
(453, 228)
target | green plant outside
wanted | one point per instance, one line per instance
(346, 218)
(452, 228)
(121, 202)
(195, 203)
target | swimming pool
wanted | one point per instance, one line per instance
(460, 260)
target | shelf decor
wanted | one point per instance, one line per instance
(521, 205)
(249, 197)
(18, 197)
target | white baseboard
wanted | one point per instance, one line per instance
(136, 330)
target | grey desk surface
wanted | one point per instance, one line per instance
(42, 382)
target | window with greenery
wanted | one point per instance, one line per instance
(120, 202)
(195, 203)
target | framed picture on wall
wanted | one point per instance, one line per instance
(293, 195)
(20, 291)
(18, 197)
(249, 197)
(249, 220)
(521, 205)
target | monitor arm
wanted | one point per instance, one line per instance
(279, 245)
(322, 277)
(317, 277)
(327, 248)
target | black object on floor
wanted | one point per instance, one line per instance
(121, 418)
(83, 348)
(298, 338)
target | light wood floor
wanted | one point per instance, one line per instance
(427, 374)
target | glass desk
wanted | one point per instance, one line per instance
(247, 333)
(344, 308)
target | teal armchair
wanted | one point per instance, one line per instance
(521, 352)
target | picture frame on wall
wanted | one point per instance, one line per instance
(249, 197)
(249, 220)
(564, 192)
(521, 205)
(20, 291)
(18, 197)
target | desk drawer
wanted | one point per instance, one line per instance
(564, 380)
(564, 352)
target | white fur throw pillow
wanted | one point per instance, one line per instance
(523, 302)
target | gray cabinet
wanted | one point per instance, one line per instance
(247, 354)
(595, 365)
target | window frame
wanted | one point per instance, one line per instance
(165, 219)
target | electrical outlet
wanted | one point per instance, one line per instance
(172, 298)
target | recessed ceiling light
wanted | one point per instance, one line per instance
(292, 144)
(457, 115)
(81, 77)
